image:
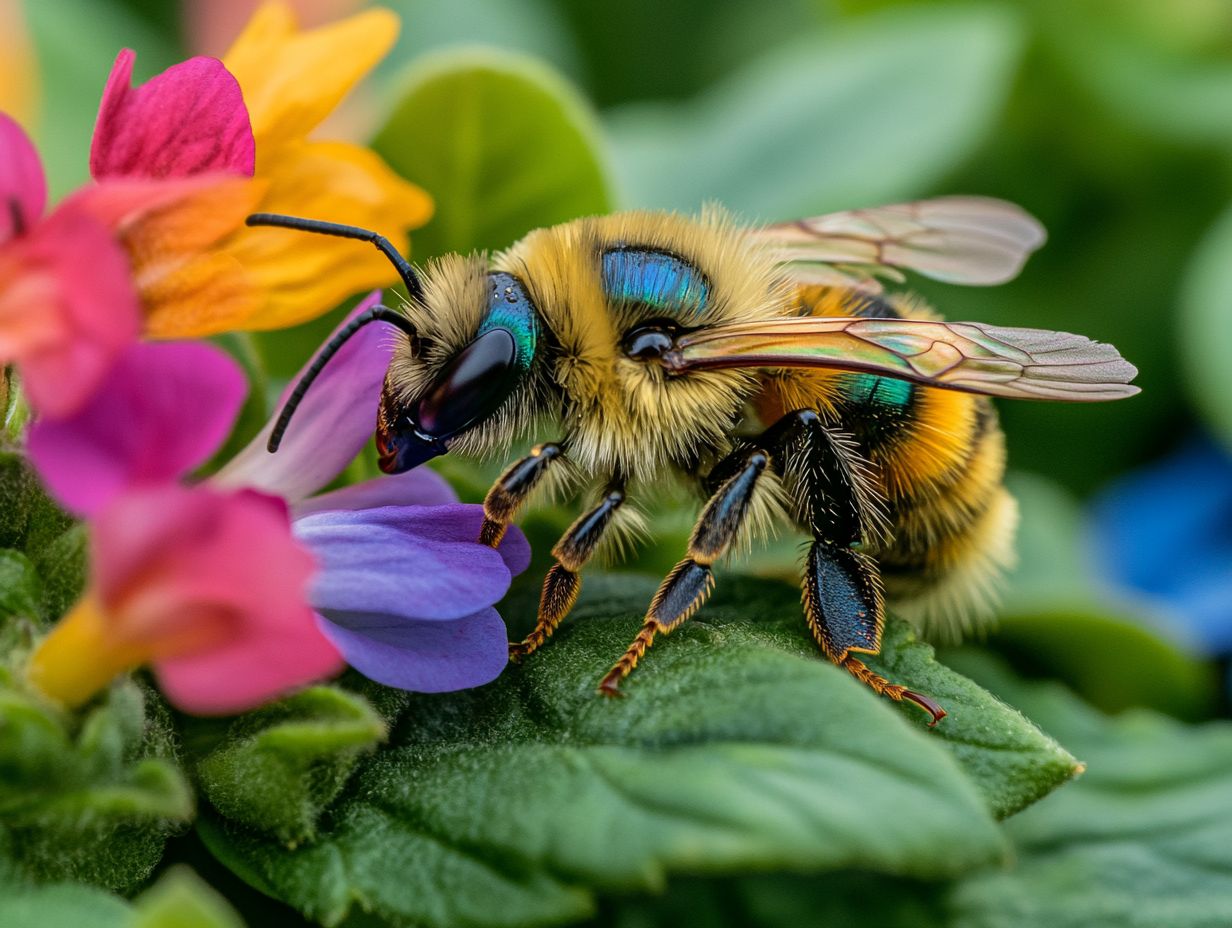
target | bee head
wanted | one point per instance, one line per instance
(476, 341)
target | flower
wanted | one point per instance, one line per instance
(201, 270)
(403, 588)
(68, 309)
(207, 587)
(1166, 531)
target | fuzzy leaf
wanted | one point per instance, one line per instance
(90, 798)
(280, 766)
(61, 905)
(1140, 840)
(737, 747)
(503, 144)
(18, 488)
(181, 899)
(20, 593)
(849, 119)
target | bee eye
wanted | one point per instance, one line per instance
(471, 386)
(650, 341)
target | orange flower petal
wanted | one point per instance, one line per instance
(292, 80)
(304, 275)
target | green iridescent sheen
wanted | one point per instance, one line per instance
(511, 309)
(881, 391)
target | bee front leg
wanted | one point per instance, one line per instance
(689, 584)
(843, 602)
(512, 489)
(564, 581)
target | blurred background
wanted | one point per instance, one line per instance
(1111, 120)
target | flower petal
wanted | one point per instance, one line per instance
(190, 119)
(23, 188)
(304, 275)
(380, 567)
(170, 560)
(419, 487)
(334, 420)
(1165, 530)
(162, 411)
(428, 657)
(292, 80)
(189, 288)
(67, 309)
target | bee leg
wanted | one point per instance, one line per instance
(511, 490)
(563, 582)
(689, 584)
(842, 597)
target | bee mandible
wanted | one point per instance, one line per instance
(768, 368)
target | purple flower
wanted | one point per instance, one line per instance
(403, 588)
(405, 591)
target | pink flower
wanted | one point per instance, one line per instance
(67, 305)
(205, 586)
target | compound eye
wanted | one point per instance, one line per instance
(649, 342)
(471, 386)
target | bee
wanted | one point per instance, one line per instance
(769, 369)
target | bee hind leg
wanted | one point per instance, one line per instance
(512, 489)
(689, 584)
(842, 598)
(563, 582)
(844, 610)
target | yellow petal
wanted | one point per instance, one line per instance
(292, 80)
(81, 655)
(189, 286)
(303, 275)
(18, 75)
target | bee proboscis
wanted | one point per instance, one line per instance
(769, 368)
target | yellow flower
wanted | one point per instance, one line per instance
(18, 76)
(199, 269)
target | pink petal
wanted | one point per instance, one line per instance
(84, 281)
(212, 585)
(188, 120)
(419, 487)
(162, 411)
(23, 188)
(333, 423)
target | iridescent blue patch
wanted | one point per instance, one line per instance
(657, 279)
(878, 391)
(510, 308)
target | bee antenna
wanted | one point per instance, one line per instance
(409, 277)
(332, 347)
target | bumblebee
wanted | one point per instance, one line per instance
(766, 367)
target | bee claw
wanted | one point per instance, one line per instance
(611, 687)
(927, 705)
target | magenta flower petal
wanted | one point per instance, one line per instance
(419, 487)
(379, 566)
(428, 657)
(162, 411)
(188, 120)
(333, 423)
(71, 277)
(23, 188)
(210, 586)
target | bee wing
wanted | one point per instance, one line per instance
(960, 240)
(969, 356)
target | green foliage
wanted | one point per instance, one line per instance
(180, 899)
(1206, 328)
(278, 767)
(89, 797)
(842, 120)
(502, 144)
(737, 747)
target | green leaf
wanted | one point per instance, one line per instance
(89, 797)
(280, 766)
(1139, 841)
(19, 587)
(63, 564)
(61, 905)
(850, 119)
(502, 143)
(18, 489)
(181, 899)
(737, 747)
(1206, 327)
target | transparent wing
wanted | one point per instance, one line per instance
(970, 356)
(961, 240)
